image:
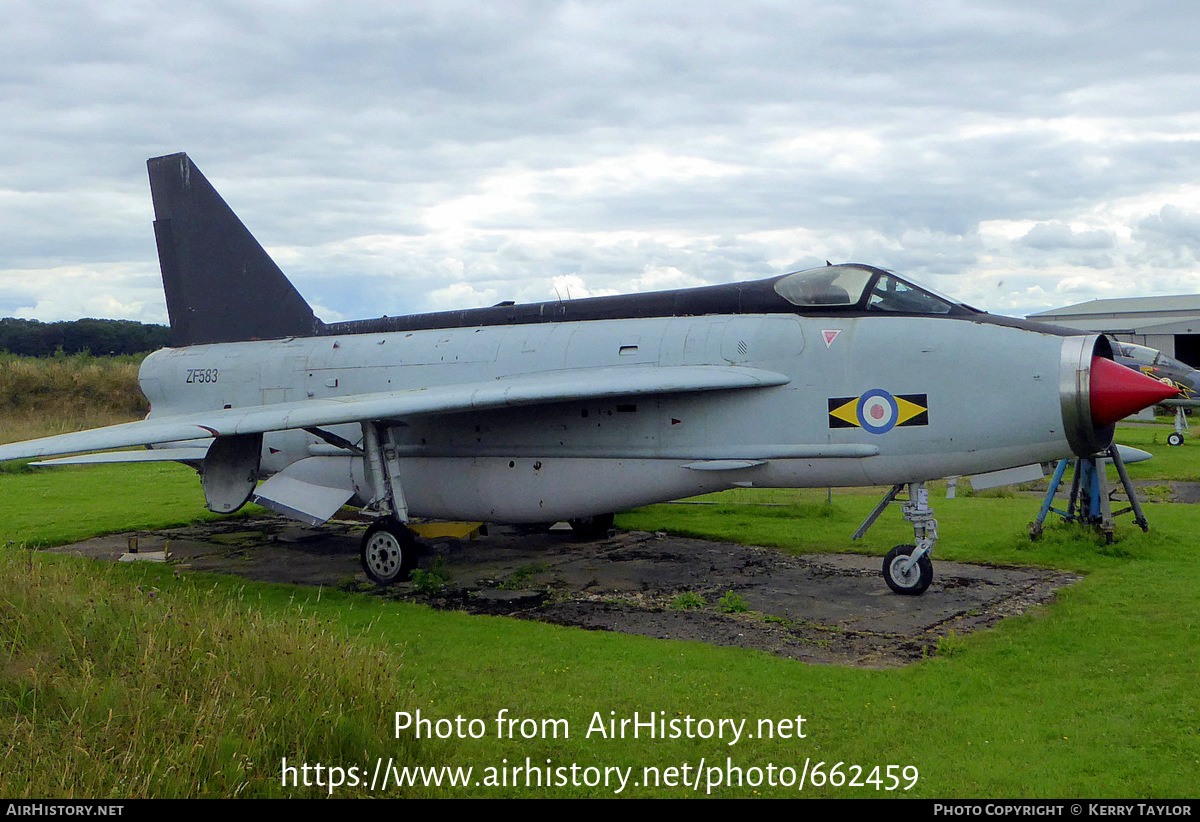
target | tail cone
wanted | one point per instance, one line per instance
(1117, 392)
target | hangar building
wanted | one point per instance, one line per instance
(1170, 324)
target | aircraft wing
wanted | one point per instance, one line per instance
(526, 389)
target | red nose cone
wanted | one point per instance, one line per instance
(1118, 391)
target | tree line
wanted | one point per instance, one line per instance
(33, 338)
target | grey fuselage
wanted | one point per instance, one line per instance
(994, 395)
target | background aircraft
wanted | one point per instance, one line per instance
(837, 376)
(1156, 364)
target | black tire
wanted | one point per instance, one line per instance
(592, 527)
(1174, 438)
(388, 553)
(918, 577)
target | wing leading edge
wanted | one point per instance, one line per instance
(528, 389)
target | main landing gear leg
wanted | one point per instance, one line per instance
(908, 568)
(389, 549)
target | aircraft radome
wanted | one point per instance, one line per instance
(842, 375)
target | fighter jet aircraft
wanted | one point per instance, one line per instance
(837, 376)
(1156, 364)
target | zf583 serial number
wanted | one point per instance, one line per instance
(201, 375)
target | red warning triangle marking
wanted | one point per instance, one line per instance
(830, 336)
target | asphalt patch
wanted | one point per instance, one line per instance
(824, 608)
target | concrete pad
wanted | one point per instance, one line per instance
(832, 608)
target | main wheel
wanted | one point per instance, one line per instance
(592, 527)
(918, 577)
(1174, 438)
(389, 552)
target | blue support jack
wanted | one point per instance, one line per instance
(1089, 502)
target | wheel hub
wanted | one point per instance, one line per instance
(383, 554)
(906, 579)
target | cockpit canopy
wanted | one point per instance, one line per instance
(858, 287)
(1143, 355)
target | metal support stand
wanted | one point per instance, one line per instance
(1135, 505)
(1089, 503)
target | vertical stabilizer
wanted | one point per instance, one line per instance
(221, 285)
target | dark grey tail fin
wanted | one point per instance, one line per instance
(221, 285)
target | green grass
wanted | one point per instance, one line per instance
(55, 506)
(1092, 696)
(687, 601)
(1181, 463)
(131, 682)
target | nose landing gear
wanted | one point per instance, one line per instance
(907, 569)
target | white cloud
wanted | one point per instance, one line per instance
(461, 295)
(402, 157)
(94, 290)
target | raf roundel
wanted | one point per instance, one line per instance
(878, 411)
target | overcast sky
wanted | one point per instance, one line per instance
(412, 156)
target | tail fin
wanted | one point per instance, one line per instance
(221, 285)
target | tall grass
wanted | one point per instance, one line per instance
(119, 684)
(41, 396)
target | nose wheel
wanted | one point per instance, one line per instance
(904, 576)
(389, 552)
